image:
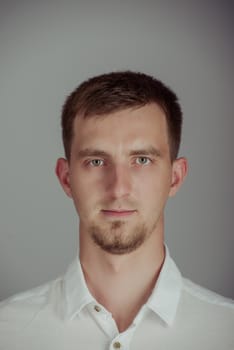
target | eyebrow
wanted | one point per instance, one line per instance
(92, 152)
(149, 151)
(88, 152)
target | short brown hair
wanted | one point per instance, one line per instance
(116, 91)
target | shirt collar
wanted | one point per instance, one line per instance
(166, 293)
(77, 295)
(163, 300)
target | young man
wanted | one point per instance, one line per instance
(121, 134)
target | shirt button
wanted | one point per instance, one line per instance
(97, 308)
(117, 345)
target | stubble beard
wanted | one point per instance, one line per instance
(118, 239)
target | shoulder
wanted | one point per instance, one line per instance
(206, 309)
(20, 309)
(205, 295)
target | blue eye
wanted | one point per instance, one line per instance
(143, 160)
(96, 162)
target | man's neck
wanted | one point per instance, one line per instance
(122, 284)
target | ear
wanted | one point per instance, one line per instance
(179, 172)
(63, 174)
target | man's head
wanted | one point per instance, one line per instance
(121, 135)
(116, 91)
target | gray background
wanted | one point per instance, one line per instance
(48, 48)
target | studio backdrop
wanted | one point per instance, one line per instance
(47, 49)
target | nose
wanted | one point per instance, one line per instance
(119, 182)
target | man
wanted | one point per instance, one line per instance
(121, 134)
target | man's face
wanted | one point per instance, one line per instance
(120, 175)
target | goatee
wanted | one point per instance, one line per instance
(116, 240)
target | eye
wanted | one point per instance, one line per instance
(96, 162)
(143, 161)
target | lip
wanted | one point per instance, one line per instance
(118, 212)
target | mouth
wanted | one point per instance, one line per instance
(117, 213)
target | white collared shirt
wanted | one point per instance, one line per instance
(64, 315)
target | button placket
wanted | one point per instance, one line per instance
(116, 345)
(122, 340)
(104, 319)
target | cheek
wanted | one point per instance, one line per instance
(84, 193)
(154, 188)
(79, 192)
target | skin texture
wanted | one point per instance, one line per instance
(120, 176)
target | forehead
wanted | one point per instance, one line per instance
(129, 127)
